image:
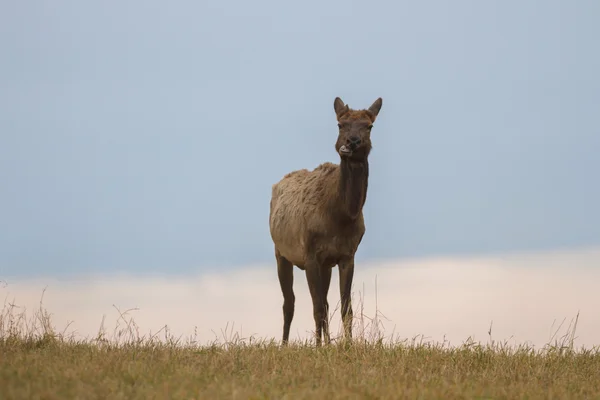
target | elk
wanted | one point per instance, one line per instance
(316, 220)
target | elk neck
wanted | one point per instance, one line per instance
(352, 190)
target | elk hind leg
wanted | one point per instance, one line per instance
(285, 272)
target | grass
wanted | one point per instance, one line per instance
(37, 362)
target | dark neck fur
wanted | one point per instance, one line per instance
(354, 179)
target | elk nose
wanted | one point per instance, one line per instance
(355, 140)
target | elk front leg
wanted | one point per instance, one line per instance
(325, 283)
(313, 276)
(346, 274)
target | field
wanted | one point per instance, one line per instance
(38, 362)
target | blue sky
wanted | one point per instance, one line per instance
(143, 136)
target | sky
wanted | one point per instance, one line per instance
(144, 138)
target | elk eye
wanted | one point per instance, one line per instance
(340, 126)
(370, 126)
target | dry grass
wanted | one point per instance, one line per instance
(38, 362)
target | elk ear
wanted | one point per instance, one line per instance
(375, 107)
(339, 107)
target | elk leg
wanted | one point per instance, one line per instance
(285, 271)
(313, 276)
(325, 283)
(346, 274)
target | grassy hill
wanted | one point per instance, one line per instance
(36, 362)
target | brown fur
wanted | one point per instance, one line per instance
(316, 219)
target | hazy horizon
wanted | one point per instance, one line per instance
(524, 297)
